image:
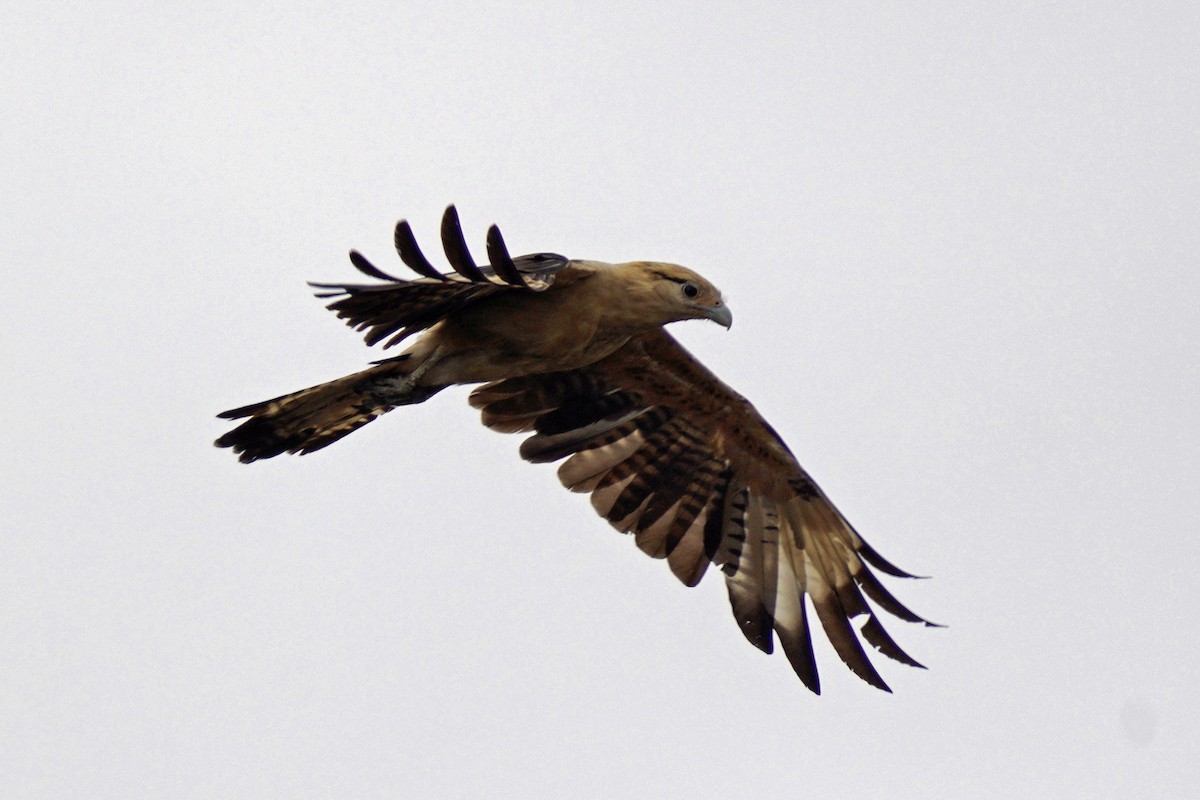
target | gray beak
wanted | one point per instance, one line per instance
(720, 314)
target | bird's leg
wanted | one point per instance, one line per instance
(401, 390)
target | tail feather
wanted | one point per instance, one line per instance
(312, 418)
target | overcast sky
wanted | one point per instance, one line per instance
(960, 248)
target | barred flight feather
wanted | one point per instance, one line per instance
(551, 447)
(647, 466)
(677, 465)
(654, 473)
(606, 493)
(595, 462)
(650, 532)
(697, 499)
(686, 555)
(569, 418)
(741, 557)
(791, 621)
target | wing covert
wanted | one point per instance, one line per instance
(676, 458)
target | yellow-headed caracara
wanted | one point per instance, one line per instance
(575, 352)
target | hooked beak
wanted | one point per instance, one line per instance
(720, 314)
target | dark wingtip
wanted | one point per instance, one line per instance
(500, 259)
(328, 290)
(878, 637)
(364, 266)
(456, 249)
(410, 253)
(872, 557)
(238, 413)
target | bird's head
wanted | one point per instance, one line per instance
(678, 293)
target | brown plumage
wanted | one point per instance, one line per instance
(574, 352)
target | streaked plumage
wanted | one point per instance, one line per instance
(574, 353)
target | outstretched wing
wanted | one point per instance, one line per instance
(674, 456)
(399, 308)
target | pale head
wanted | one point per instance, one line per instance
(669, 293)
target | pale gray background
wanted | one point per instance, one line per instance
(960, 245)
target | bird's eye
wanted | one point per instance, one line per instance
(690, 290)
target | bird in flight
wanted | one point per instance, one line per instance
(575, 353)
